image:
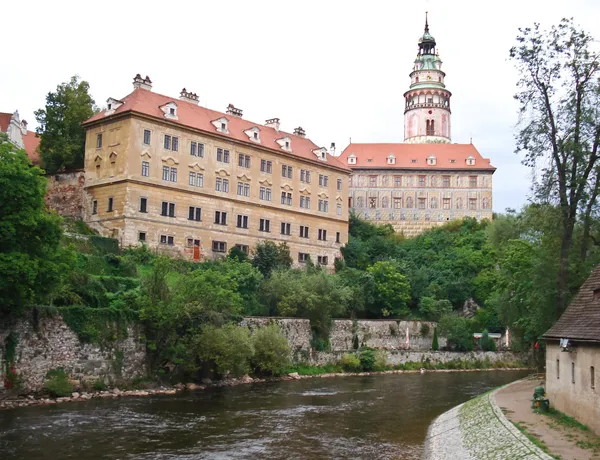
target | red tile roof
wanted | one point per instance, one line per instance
(194, 116)
(375, 156)
(30, 140)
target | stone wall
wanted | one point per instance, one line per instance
(66, 193)
(55, 345)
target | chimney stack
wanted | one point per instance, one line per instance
(24, 127)
(184, 95)
(273, 123)
(231, 110)
(299, 131)
(143, 83)
(332, 149)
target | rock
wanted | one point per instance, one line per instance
(116, 392)
(181, 386)
(193, 387)
(75, 395)
(294, 375)
(206, 381)
(247, 379)
(61, 400)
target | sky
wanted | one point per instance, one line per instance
(337, 68)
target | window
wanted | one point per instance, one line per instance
(303, 257)
(286, 228)
(264, 225)
(446, 181)
(572, 372)
(421, 181)
(266, 166)
(222, 185)
(146, 141)
(172, 111)
(99, 141)
(338, 209)
(323, 205)
(95, 207)
(472, 203)
(175, 144)
(305, 176)
(337, 237)
(303, 231)
(143, 204)
(596, 295)
(243, 189)
(166, 239)
(173, 175)
(397, 181)
(433, 203)
(592, 378)
(165, 175)
(558, 369)
(142, 237)
(323, 180)
(196, 179)
(243, 161)
(422, 203)
(110, 204)
(322, 260)
(195, 214)
(167, 143)
(473, 181)
(339, 185)
(286, 198)
(409, 202)
(372, 202)
(145, 168)
(322, 235)
(372, 181)
(196, 149)
(219, 246)
(305, 202)
(430, 128)
(220, 218)
(244, 248)
(397, 202)
(286, 171)
(242, 221)
(446, 203)
(222, 155)
(168, 209)
(265, 193)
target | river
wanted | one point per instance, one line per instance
(372, 417)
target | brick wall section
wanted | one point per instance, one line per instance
(66, 193)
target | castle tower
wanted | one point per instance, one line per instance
(427, 110)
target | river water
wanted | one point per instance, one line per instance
(372, 417)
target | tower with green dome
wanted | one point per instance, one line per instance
(427, 109)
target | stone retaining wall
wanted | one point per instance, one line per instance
(478, 429)
(55, 345)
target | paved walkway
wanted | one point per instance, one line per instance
(515, 401)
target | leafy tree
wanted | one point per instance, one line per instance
(361, 285)
(457, 331)
(559, 92)
(271, 350)
(391, 290)
(236, 253)
(435, 346)
(229, 347)
(485, 343)
(433, 309)
(62, 138)
(269, 256)
(32, 262)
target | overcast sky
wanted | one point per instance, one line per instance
(336, 68)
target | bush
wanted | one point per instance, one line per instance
(486, 343)
(350, 362)
(271, 350)
(99, 385)
(380, 363)
(435, 346)
(229, 347)
(57, 383)
(457, 331)
(367, 359)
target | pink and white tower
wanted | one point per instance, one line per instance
(427, 111)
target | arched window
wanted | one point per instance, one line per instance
(485, 203)
(434, 203)
(409, 202)
(459, 203)
(384, 202)
(417, 79)
(430, 127)
(360, 202)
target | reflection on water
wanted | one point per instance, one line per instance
(381, 417)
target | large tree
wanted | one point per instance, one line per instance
(32, 261)
(62, 139)
(559, 96)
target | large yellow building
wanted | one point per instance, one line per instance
(190, 180)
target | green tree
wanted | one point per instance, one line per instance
(32, 262)
(457, 331)
(433, 309)
(391, 290)
(62, 138)
(229, 347)
(236, 253)
(268, 256)
(435, 346)
(559, 93)
(271, 350)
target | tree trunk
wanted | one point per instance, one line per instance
(563, 269)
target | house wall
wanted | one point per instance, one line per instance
(570, 393)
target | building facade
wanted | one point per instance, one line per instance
(426, 180)
(573, 356)
(19, 135)
(186, 179)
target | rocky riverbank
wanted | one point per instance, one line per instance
(478, 429)
(38, 399)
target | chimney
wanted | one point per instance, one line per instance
(299, 131)
(231, 110)
(272, 123)
(188, 96)
(24, 127)
(332, 149)
(143, 83)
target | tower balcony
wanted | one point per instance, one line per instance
(427, 105)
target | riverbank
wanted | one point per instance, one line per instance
(478, 429)
(42, 400)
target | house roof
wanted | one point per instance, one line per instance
(30, 140)
(414, 156)
(193, 116)
(581, 319)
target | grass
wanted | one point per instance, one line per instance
(577, 429)
(534, 440)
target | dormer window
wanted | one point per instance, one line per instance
(285, 143)
(170, 110)
(352, 159)
(321, 153)
(221, 125)
(109, 106)
(470, 160)
(112, 104)
(431, 160)
(253, 134)
(391, 159)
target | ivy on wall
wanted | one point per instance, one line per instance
(98, 325)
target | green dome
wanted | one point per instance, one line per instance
(427, 38)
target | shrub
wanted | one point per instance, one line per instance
(351, 362)
(486, 343)
(457, 330)
(229, 347)
(99, 385)
(367, 359)
(380, 363)
(57, 383)
(425, 329)
(271, 350)
(435, 346)
(355, 343)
